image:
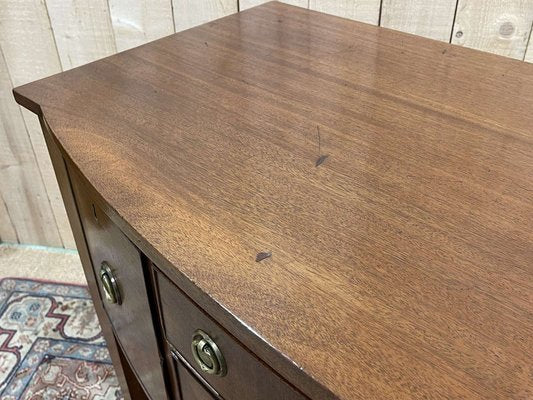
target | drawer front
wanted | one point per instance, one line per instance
(246, 377)
(190, 388)
(128, 309)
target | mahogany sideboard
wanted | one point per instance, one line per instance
(282, 204)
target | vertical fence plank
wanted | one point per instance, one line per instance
(244, 4)
(23, 191)
(528, 56)
(30, 53)
(7, 230)
(139, 21)
(496, 26)
(189, 13)
(27, 40)
(82, 29)
(358, 10)
(431, 19)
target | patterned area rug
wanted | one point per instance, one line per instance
(51, 345)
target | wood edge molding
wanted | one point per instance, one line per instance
(35, 108)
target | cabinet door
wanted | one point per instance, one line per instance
(119, 270)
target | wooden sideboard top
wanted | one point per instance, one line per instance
(401, 265)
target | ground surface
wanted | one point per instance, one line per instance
(38, 262)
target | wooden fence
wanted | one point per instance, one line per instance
(42, 37)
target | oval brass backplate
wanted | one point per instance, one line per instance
(109, 284)
(207, 354)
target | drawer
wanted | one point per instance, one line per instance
(190, 387)
(127, 304)
(246, 377)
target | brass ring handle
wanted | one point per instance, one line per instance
(109, 284)
(207, 354)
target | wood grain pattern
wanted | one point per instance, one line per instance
(433, 19)
(82, 29)
(358, 10)
(140, 21)
(401, 266)
(29, 53)
(501, 27)
(189, 13)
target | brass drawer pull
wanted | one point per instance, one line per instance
(207, 354)
(109, 284)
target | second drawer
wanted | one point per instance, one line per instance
(240, 374)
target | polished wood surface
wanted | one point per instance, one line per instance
(400, 267)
